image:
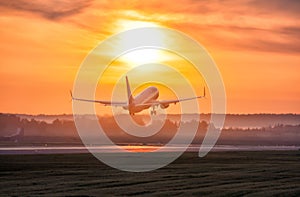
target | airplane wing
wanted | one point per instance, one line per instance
(117, 104)
(168, 102)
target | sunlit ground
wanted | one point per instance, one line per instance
(142, 148)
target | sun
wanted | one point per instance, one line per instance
(144, 55)
(141, 56)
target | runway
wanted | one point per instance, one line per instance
(133, 148)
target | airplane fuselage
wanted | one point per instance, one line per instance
(14, 137)
(139, 103)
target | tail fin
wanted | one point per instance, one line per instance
(129, 95)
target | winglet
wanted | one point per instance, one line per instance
(71, 95)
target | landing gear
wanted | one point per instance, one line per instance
(153, 111)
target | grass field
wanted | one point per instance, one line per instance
(264, 173)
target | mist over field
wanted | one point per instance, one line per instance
(262, 129)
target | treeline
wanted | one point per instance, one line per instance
(276, 128)
(9, 123)
(65, 129)
(232, 120)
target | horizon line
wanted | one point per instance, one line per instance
(71, 114)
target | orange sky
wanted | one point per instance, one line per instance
(255, 44)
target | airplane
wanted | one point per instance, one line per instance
(146, 99)
(14, 137)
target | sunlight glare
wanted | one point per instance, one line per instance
(123, 25)
(139, 56)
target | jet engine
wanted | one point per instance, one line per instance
(164, 106)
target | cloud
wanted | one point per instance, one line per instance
(288, 7)
(278, 39)
(232, 24)
(51, 10)
(271, 26)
